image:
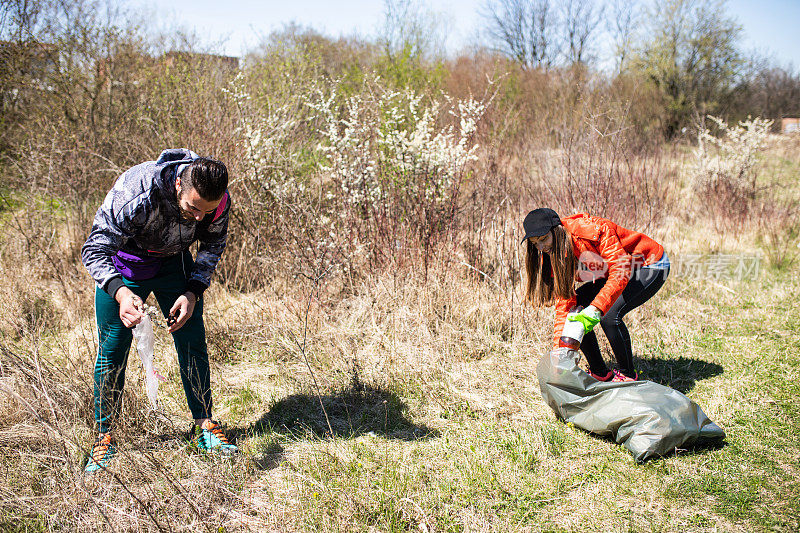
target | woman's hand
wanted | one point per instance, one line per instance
(589, 317)
(182, 310)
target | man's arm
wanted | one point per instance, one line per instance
(213, 240)
(113, 226)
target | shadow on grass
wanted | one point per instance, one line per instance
(680, 374)
(696, 448)
(702, 447)
(354, 411)
(269, 458)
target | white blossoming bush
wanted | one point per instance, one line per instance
(266, 130)
(287, 224)
(397, 158)
(726, 166)
(383, 169)
(349, 147)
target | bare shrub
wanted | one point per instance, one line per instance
(595, 169)
(726, 171)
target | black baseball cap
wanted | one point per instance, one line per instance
(539, 221)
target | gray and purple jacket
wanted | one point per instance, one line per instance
(140, 223)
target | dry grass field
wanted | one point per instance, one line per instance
(370, 353)
(409, 403)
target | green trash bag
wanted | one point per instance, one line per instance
(647, 418)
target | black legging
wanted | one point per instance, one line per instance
(644, 283)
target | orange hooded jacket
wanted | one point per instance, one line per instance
(604, 250)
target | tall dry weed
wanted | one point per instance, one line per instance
(596, 169)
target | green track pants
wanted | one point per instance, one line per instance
(115, 342)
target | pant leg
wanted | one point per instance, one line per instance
(190, 340)
(112, 356)
(642, 286)
(589, 345)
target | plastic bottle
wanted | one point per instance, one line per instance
(572, 334)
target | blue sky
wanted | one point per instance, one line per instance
(770, 26)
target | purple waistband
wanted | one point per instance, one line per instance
(136, 268)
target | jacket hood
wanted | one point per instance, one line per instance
(169, 164)
(172, 156)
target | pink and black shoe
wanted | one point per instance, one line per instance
(614, 376)
(598, 377)
(620, 377)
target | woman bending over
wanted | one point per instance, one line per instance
(619, 269)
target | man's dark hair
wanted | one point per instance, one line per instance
(207, 176)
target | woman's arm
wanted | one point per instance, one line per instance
(563, 307)
(619, 268)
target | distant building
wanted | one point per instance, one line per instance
(224, 63)
(220, 67)
(790, 125)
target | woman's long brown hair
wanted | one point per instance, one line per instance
(552, 275)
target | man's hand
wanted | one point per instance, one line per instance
(182, 310)
(130, 307)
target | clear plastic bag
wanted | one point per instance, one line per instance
(145, 342)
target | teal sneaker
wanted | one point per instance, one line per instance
(209, 438)
(103, 451)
